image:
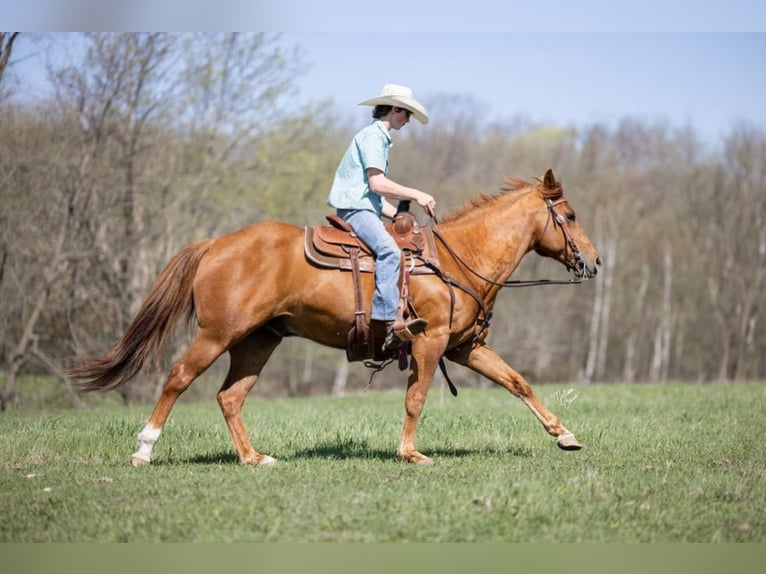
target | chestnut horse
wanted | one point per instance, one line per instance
(252, 287)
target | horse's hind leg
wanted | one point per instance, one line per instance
(247, 359)
(199, 356)
(486, 362)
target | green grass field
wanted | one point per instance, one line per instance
(661, 463)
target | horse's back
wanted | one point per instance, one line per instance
(243, 257)
(259, 236)
(259, 272)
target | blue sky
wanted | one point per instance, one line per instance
(564, 62)
(410, 16)
(708, 81)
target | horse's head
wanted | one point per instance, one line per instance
(559, 233)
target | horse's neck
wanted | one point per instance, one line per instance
(493, 240)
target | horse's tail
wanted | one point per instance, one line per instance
(170, 300)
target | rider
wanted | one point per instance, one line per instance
(360, 191)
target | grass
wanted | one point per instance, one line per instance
(661, 463)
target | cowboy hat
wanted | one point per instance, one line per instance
(401, 97)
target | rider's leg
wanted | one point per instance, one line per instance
(370, 229)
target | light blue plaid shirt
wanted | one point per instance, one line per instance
(350, 188)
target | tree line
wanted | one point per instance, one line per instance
(151, 141)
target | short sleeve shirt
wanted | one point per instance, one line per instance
(351, 188)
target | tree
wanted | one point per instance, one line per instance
(44, 189)
(735, 240)
(112, 191)
(6, 48)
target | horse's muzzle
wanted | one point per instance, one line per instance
(581, 268)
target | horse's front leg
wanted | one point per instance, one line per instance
(486, 362)
(425, 358)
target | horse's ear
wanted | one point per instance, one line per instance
(549, 181)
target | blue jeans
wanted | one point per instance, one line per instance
(371, 230)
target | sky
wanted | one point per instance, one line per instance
(708, 81)
(687, 63)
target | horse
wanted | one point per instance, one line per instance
(252, 287)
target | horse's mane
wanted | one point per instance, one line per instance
(510, 185)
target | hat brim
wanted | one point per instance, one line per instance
(410, 104)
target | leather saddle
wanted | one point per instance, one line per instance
(331, 246)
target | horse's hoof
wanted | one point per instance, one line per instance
(568, 441)
(417, 459)
(139, 459)
(266, 460)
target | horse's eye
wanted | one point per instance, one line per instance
(571, 217)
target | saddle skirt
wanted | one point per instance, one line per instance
(331, 246)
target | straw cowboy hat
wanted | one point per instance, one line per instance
(401, 97)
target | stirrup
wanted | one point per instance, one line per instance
(399, 332)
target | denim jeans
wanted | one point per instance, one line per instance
(371, 230)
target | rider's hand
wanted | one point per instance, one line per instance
(428, 203)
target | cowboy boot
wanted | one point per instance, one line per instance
(399, 332)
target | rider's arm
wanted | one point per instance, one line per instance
(389, 210)
(388, 188)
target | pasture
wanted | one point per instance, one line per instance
(661, 463)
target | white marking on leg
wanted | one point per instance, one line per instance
(146, 441)
(267, 461)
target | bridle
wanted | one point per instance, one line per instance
(576, 262)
